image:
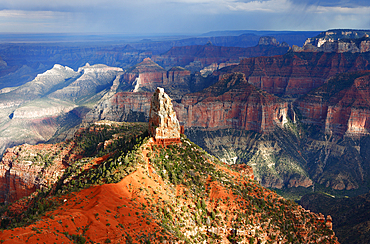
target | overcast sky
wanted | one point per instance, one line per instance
(180, 16)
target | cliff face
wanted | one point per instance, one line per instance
(274, 157)
(233, 103)
(163, 123)
(43, 84)
(230, 103)
(35, 111)
(123, 106)
(295, 74)
(93, 80)
(341, 106)
(359, 45)
(147, 76)
(338, 41)
(26, 168)
(335, 117)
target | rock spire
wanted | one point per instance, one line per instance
(163, 124)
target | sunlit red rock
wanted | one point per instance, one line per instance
(163, 123)
(341, 106)
(233, 103)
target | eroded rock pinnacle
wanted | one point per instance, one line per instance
(163, 123)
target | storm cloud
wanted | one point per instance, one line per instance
(179, 16)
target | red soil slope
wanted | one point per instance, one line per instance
(115, 213)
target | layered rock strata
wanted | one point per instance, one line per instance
(27, 168)
(233, 103)
(338, 41)
(295, 74)
(123, 106)
(341, 106)
(230, 103)
(163, 124)
(147, 76)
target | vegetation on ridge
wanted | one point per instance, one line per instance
(177, 193)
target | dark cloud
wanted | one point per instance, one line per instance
(180, 16)
(334, 3)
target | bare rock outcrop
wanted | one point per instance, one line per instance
(339, 41)
(163, 124)
(27, 168)
(296, 73)
(233, 103)
(340, 106)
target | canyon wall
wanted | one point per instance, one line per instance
(295, 74)
(341, 106)
(27, 168)
(233, 103)
(240, 106)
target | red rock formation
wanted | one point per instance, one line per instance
(244, 170)
(123, 106)
(26, 168)
(341, 106)
(147, 75)
(232, 103)
(163, 124)
(177, 75)
(329, 222)
(213, 67)
(296, 74)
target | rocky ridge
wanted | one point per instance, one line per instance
(208, 54)
(360, 45)
(27, 168)
(335, 36)
(34, 112)
(176, 193)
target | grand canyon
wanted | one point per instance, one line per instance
(197, 140)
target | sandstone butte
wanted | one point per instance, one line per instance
(147, 75)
